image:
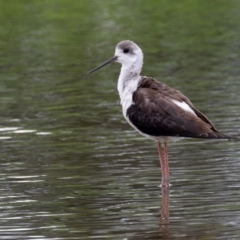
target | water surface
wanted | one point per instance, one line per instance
(71, 167)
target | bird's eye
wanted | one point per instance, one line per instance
(126, 50)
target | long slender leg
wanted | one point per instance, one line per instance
(163, 156)
(166, 161)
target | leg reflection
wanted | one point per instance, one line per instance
(164, 212)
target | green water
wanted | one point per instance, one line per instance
(71, 167)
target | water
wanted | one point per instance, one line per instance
(71, 167)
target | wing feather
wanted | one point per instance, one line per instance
(155, 114)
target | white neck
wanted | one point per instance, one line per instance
(129, 74)
(127, 84)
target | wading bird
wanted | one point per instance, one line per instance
(154, 109)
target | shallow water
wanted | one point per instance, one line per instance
(71, 167)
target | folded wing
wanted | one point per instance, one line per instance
(155, 113)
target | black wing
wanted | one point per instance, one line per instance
(155, 114)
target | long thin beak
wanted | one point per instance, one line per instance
(112, 59)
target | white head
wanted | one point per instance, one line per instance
(128, 54)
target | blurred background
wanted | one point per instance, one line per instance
(71, 167)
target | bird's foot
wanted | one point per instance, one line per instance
(165, 183)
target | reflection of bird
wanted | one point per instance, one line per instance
(154, 109)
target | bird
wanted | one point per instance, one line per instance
(156, 110)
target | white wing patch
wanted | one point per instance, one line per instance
(184, 106)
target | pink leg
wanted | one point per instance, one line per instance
(163, 156)
(167, 164)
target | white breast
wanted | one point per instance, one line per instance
(184, 106)
(126, 95)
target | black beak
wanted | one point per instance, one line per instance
(112, 59)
